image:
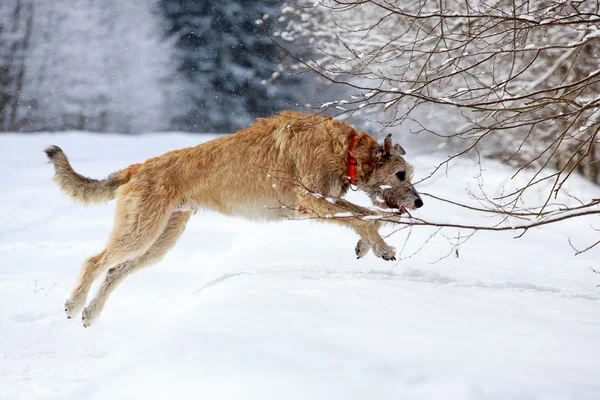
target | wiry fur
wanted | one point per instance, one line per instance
(290, 159)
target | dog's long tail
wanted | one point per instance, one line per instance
(82, 189)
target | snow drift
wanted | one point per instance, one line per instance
(242, 310)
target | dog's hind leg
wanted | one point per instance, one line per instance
(138, 224)
(115, 275)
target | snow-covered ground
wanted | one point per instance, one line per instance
(244, 310)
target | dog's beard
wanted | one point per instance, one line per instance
(401, 209)
(385, 200)
(391, 200)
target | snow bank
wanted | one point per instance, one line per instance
(242, 310)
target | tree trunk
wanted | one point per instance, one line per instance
(21, 75)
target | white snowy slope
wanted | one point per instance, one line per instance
(244, 310)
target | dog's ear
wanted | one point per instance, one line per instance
(387, 144)
(399, 149)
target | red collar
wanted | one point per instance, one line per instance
(351, 162)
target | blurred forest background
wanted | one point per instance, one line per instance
(139, 66)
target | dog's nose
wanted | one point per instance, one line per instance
(418, 203)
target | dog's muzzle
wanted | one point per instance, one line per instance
(396, 200)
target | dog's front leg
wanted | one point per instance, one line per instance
(337, 211)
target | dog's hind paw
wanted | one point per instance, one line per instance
(73, 306)
(362, 248)
(88, 316)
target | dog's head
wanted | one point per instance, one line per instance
(389, 185)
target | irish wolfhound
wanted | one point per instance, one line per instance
(287, 166)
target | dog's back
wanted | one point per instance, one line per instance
(256, 171)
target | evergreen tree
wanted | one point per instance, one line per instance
(87, 65)
(229, 66)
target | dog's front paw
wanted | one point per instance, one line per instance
(362, 248)
(383, 250)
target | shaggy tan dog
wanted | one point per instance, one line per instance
(287, 166)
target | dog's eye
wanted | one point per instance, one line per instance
(401, 175)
